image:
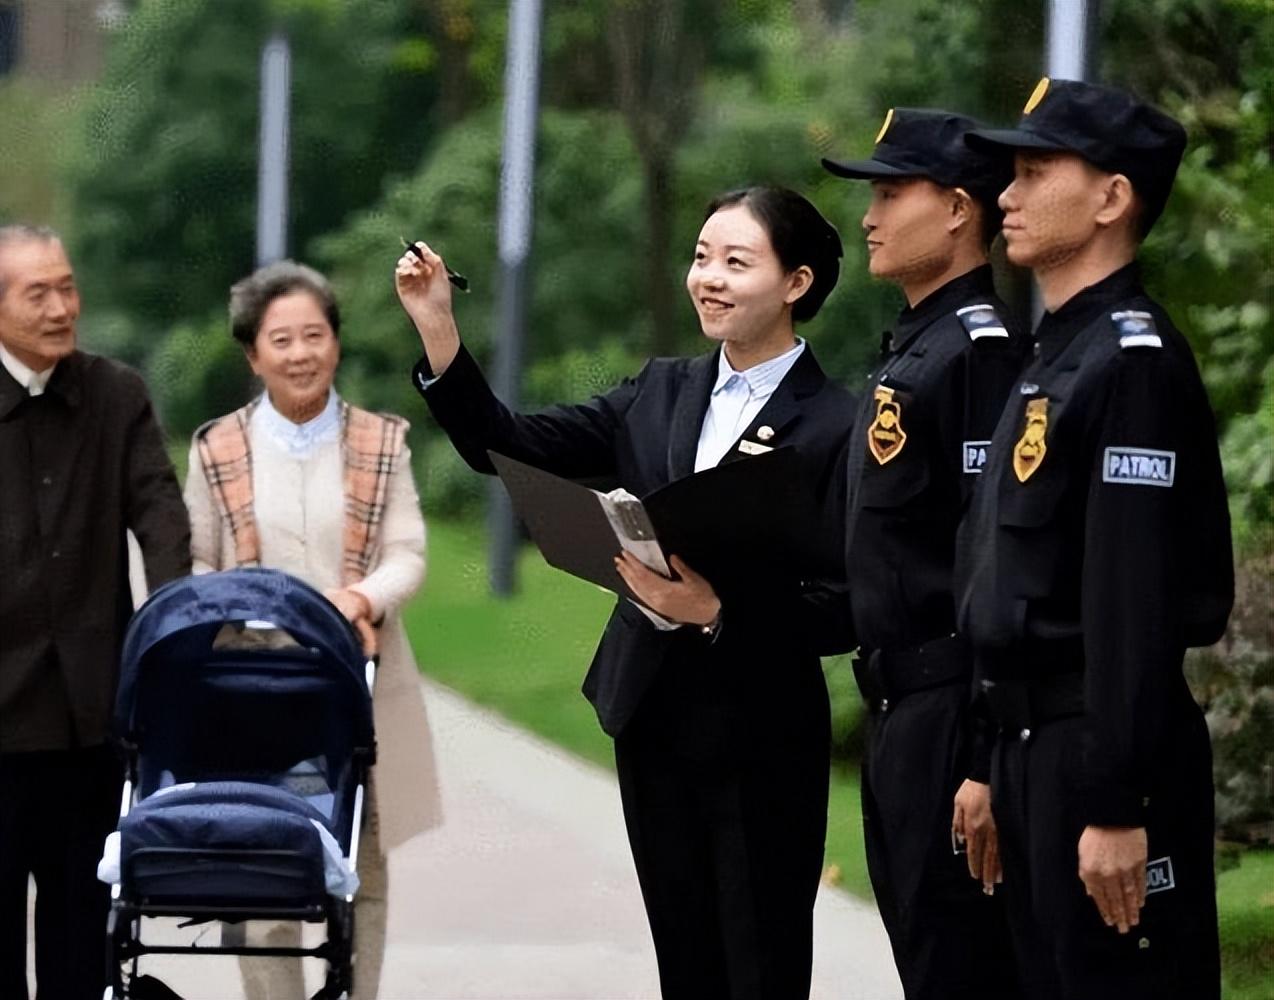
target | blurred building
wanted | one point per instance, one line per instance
(59, 41)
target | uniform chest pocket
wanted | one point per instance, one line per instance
(893, 485)
(1031, 504)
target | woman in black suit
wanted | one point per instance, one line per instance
(720, 720)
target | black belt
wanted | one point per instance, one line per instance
(1019, 705)
(888, 675)
(1031, 657)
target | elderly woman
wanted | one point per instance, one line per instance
(299, 480)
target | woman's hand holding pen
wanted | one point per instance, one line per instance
(689, 598)
(421, 281)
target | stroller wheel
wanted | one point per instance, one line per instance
(340, 959)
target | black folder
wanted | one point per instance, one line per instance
(739, 524)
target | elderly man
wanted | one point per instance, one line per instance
(82, 461)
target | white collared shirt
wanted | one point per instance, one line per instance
(299, 440)
(34, 382)
(737, 397)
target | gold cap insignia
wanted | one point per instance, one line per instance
(889, 120)
(1037, 95)
(1028, 453)
(885, 436)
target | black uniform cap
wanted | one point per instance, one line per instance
(923, 142)
(1109, 128)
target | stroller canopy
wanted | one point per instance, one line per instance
(186, 615)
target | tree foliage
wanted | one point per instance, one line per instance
(33, 115)
(162, 166)
(1211, 257)
(586, 291)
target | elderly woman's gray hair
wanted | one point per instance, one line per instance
(251, 297)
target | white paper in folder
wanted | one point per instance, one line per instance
(636, 534)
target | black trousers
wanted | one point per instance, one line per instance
(1065, 951)
(56, 809)
(950, 940)
(729, 854)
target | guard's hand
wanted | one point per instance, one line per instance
(1112, 866)
(973, 825)
(425, 295)
(689, 599)
(353, 605)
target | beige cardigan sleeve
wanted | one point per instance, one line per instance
(399, 567)
(205, 523)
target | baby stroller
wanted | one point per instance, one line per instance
(245, 715)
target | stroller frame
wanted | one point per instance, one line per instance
(123, 930)
(125, 947)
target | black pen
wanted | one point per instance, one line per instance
(455, 277)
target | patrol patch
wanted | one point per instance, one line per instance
(1139, 466)
(1037, 95)
(885, 436)
(1160, 876)
(1136, 329)
(1028, 453)
(975, 455)
(981, 321)
(889, 120)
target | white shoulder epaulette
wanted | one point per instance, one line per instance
(982, 321)
(1136, 329)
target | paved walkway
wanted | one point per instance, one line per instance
(527, 891)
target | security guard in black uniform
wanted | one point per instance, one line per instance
(1097, 549)
(919, 445)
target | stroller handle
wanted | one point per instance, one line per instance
(367, 633)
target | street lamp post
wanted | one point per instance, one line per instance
(1069, 28)
(1068, 57)
(517, 188)
(272, 163)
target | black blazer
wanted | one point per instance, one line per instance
(760, 683)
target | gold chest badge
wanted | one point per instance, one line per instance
(885, 436)
(1028, 453)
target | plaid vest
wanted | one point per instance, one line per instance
(371, 448)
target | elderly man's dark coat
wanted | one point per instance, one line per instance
(79, 465)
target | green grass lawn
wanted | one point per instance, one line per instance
(1245, 904)
(526, 657)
